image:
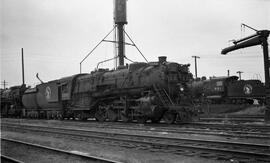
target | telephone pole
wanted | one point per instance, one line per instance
(4, 83)
(195, 57)
(240, 72)
(22, 68)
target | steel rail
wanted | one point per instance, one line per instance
(232, 119)
(223, 125)
(88, 157)
(8, 159)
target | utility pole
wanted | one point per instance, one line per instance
(4, 83)
(22, 68)
(239, 73)
(195, 57)
(228, 72)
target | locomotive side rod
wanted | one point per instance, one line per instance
(260, 38)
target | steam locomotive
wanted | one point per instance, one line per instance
(228, 90)
(139, 91)
(11, 101)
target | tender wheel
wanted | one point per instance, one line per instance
(141, 119)
(185, 116)
(169, 117)
(155, 120)
(112, 116)
(100, 114)
(125, 118)
(100, 117)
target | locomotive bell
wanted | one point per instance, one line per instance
(162, 59)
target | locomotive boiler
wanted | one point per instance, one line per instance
(139, 91)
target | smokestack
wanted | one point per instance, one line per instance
(120, 19)
(162, 59)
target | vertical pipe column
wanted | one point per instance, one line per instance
(121, 46)
(120, 19)
(267, 78)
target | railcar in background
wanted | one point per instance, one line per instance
(229, 90)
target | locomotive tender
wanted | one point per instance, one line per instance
(139, 91)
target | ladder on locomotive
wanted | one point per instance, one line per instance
(163, 95)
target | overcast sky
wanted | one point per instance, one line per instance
(57, 34)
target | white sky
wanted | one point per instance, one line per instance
(57, 34)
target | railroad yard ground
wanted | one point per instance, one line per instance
(34, 131)
(233, 113)
(101, 148)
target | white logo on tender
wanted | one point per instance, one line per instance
(48, 93)
(247, 89)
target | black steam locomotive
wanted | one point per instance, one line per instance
(139, 91)
(229, 90)
(11, 101)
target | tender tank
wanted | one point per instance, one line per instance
(246, 88)
(29, 99)
(47, 95)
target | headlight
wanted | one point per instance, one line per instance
(181, 89)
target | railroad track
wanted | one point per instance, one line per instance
(220, 130)
(232, 119)
(242, 131)
(230, 127)
(7, 159)
(193, 125)
(216, 131)
(77, 157)
(215, 149)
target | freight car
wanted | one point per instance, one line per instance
(139, 91)
(228, 90)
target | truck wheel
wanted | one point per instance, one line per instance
(125, 118)
(169, 117)
(141, 119)
(112, 116)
